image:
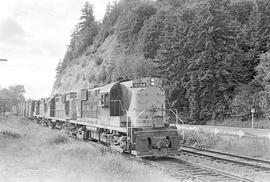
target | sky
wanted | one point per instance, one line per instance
(34, 35)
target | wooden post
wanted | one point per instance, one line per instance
(252, 117)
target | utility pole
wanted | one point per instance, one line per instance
(4, 110)
(252, 117)
(4, 106)
(4, 103)
(4, 100)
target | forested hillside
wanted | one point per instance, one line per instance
(213, 53)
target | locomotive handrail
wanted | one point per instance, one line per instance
(125, 111)
(136, 120)
(171, 110)
(176, 116)
(120, 104)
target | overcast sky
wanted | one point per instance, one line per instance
(33, 37)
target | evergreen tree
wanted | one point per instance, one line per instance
(264, 25)
(152, 35)
(87, 17)
(215, 69)
(263, 78)
(132, 23)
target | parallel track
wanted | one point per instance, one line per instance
(257, 164)
(184, 170)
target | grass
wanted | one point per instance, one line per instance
(236, 122)
(105, 166)
(56, 139)
(243, 146)
(47, 155)
(247, 147)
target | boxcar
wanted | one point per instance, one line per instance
(29, 109)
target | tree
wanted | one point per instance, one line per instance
(264, 25)
(253, 42)
(83, 34)
(87, 17)
(132, 23)
(263, 78)
(201, 55)
(152, 34)
(215, 69)
(12, 95)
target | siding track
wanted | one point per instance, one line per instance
(184, 170)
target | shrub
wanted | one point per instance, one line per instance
(10, 134)
(78, 76)
(98, 61)
(57, 139)
(199, 138)
(91, 78)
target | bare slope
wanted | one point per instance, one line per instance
(87, 70)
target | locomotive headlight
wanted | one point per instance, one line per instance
(152, 82)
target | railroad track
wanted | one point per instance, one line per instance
(189, 171)
(242, 161)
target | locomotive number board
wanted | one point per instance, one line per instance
(139, 85)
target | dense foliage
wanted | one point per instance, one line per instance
(213, 53)
(11, 96)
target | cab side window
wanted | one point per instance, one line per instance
(104, 100)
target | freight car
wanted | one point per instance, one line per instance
(22, 109)
(15, 109)
(29, 109)
(127, 115)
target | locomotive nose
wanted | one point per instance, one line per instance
(161, 144)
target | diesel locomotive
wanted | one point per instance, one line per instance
(127, 115)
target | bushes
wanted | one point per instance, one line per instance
(10, 134)
(57, 139)
(98, 61)
(199, 138)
